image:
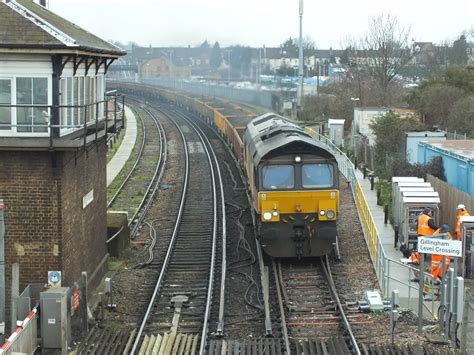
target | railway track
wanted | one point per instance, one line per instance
(182, 296)
(139, 186)
(312, 315)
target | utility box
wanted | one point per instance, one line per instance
(336, 131)
(397, 183)
(410, 194)
(411, 209)
(55, 318)
(467, 234)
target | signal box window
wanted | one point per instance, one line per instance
(278, 177)
(316, 176)
(6, 99)
(31, 92)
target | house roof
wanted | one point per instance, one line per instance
(26, 24)
(461, 148)
(293, 52)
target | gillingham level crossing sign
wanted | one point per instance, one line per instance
(440, 246)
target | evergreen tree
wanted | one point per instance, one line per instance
(459, 51)
(216, 57)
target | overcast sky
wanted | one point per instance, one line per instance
(260, 22)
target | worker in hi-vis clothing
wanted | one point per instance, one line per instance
(461, 212)
(426, 225)
(436, 259)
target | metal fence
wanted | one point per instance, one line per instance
(364, 152)
(259, 98)
(24, 338)
(457, 136)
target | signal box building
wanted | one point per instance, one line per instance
(54, 121)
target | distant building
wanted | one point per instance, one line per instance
(181, 62)
(458, 161)
(163, 67)
(336, 131)
(276, 57)
(365, 116)
(411, 140)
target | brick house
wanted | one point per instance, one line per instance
(53, 129)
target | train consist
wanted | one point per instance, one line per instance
(293, 180)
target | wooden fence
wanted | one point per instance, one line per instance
(450, 198)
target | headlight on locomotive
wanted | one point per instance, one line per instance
(267, 216)
(330, 214)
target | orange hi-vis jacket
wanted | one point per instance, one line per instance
(437, 261)
(458, 225)
(415, 258)
(423, 227)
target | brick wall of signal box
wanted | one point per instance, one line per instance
(46, 226)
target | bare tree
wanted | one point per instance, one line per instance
(383, 52)
(308, 43)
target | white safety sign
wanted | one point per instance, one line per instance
(440, 246)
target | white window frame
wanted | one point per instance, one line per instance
(12, 109)
(14, 132)
(82, 94)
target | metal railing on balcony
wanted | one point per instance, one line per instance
(83, 123)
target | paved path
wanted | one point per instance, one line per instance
(399, 276)
(125, 149)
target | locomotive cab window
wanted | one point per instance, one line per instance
(278, 177)
(317, 176)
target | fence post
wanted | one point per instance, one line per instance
(84, 300)
(15, 293)
(420, 293)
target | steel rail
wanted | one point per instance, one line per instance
(160, 169)
(279, 288)
(171, 244)
(268, 323)
(220, 325)
(214, 233)
(345, 321)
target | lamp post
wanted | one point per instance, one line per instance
(228, 63)
(355, 99)
(300, 63)
(170, 53)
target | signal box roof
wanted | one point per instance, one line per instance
(27, 25)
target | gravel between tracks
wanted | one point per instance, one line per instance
(127, 280)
